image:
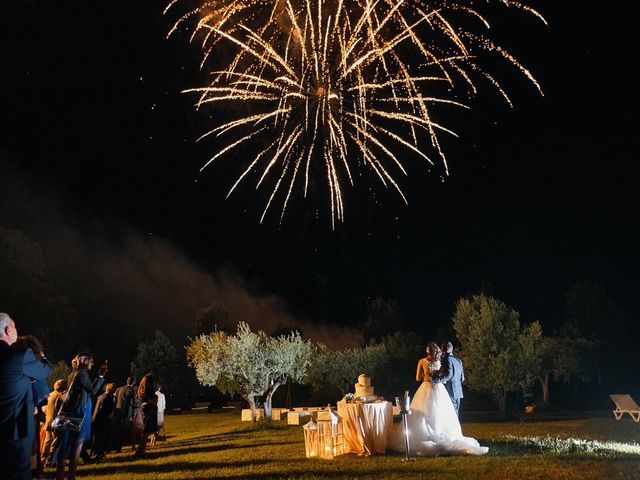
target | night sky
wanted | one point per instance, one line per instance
(97, 140)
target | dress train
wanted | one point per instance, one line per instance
(434, 428)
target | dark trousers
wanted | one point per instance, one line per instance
(121, 432)
(17, 459)
(102, 431)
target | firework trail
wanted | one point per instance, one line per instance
(337, 85)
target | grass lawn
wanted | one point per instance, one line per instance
(218, 445)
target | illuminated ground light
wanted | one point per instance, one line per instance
(572, 445)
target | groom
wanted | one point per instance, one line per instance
(451, 374)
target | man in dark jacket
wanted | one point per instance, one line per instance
(123, 416)
(452, 375)
(103, 421)
(18, 369)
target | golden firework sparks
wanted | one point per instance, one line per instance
(338, 84)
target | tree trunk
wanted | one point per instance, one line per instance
(267, 406)
(501, 397)
(252, 406)
(598, 374)
(267, 400)
(545, 389)
(288, 401)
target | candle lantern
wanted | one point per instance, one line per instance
(330, 434)
(310, 439)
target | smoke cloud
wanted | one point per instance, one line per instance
(127, 284)
(149, 283)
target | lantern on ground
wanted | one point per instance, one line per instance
(330, 434)
(310, 439)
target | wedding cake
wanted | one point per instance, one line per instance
(364, 387)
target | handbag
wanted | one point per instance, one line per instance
(67, 421)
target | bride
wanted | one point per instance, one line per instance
(434, 428)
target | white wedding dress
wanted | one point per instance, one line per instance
(434, 428)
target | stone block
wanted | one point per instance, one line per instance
(246, 414)
(298, 418)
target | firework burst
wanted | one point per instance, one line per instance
(337, 85)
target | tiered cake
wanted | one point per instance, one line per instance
(364, 387)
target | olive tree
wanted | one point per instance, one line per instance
(212, 317)
(591, 313)
(28, 293)
(59, 371)
(498, 352)
(563, 359)
(398, 372)
(252, 364)
(384, 317)
(340, 368)
(157, 356)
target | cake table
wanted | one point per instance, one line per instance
(366, 426)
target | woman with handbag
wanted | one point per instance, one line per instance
(149, 401)
(77, 405)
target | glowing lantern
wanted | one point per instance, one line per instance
(310, 439)
(330, 435)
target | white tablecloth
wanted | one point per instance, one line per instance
(366, 426)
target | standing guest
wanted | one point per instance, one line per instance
(452, 375)
(162, 405)
(39, 386)
(19, 367)
(53, 405)
(123, 415)
(146, 394)
(103, 421)
(37, 467)
(137, 421)
(78, 399)
(40, 394)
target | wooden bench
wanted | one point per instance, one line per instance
(625, 404)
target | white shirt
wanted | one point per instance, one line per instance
(162, 403)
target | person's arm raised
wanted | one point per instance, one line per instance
(34, 367)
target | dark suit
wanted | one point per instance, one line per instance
(18, 369)
(124, 399)
(452, 375)
(102, 423)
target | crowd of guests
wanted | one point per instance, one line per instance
(111, 419)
